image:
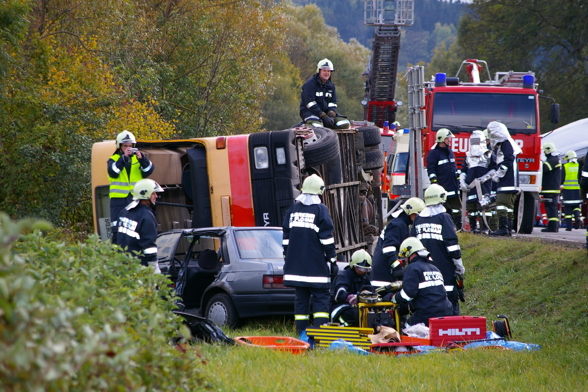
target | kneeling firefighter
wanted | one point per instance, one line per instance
(347, 286)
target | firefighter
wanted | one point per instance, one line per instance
(318, 102)
(506, 175)
(353, 279)
(434, 228)
(477, 167)
(442, 170)
(550, 187)
(138, 227)
(309, 253)
(387, 266)
(423, 285)
(125, 168)
(571, 196)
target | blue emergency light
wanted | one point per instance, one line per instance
(528, 81)
(440, 79)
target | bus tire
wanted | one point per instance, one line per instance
(371, 136)
(323, 150)
(374, 159)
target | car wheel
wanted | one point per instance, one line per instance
(221, 310)
(371, 135)
(322, 149)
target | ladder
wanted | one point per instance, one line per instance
(511, 78)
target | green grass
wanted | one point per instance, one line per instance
(542, 288)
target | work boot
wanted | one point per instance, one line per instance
(576, 220)
(483, 228)
(503, 229)
(473, 225)
(551, 227)
(457, 222)
(568, 224)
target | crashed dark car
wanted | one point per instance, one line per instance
(227, 274)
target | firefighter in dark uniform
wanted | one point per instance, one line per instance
(477, 166)
(571, 196)
(318, 101)
(550, 186)
(434, 228)
(347, 285)
(506, 175)
(309, 252)
(138, 227)
(423, 285)
(387, 267)
(125, 168)
(442, 170)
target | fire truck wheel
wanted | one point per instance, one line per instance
(323, 150)
(371, 136)
(374, 159)
(221, 310)
(529, 213)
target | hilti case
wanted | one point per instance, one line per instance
(443, 330)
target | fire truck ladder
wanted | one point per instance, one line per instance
(511, 78)
(386, 46)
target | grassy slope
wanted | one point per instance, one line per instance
(542, 289)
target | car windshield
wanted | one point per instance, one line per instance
(257, 244)
(400, 163)
(466, 112)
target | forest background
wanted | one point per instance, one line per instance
(77, 71)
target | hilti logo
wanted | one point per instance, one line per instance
(459, 332)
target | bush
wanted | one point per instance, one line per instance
(84, 316)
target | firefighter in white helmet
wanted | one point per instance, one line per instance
(309, 252)
(137, 229)
(347, 285)
(387, 266)
(442, 170)
(318, 100)
(474, 180)
(572, 199)
(125, 168)
(434, 228)
(550, 186)
(422, 286)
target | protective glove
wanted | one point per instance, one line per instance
(433, 180)
(334, 270)
(459, 268)
(351, 299)
(459, 283)
(462, 182)
(332, 113)
(499, 173)
(487, 176)
(329, 122)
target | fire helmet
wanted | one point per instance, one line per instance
(313, 185)
(570, 155)
(325, 64)
(443, 134)
(549, 148)
(125, 137)
(414, 205)
(361, 260)
(435, 194)
(409, 246)
(144, 189)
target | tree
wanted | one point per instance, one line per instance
(548, 37)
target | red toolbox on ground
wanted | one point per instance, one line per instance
(443, 330)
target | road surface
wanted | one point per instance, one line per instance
(576, 238)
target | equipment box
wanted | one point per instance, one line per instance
(443, 330)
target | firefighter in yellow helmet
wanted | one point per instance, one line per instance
(422, 286)
(125, 168)
(551, 184)
(318, 100)
(347, 285)
(310, 256)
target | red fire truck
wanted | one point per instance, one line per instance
(464, 106)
